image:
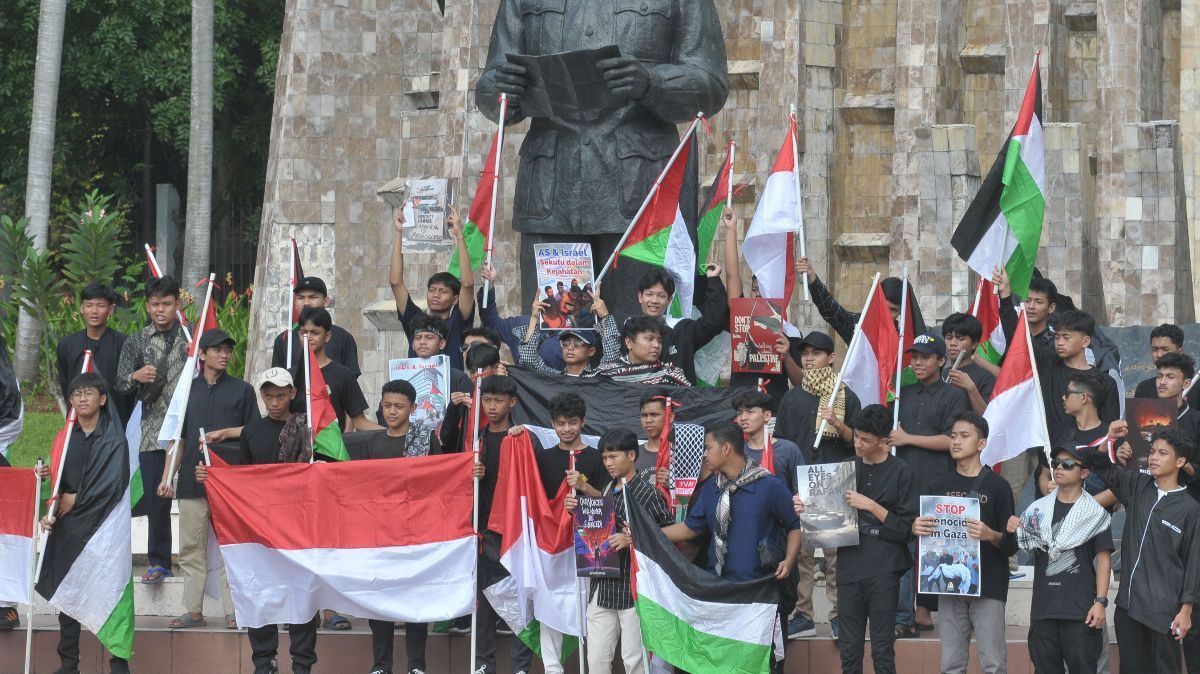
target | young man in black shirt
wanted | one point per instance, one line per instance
(963, 333)
(1174, 374)
(448, 298)
(96, 305)
(1083, 427)
(869, 573)
(312, 292)
(1160, 552)
(682, 338)
(982, 616)
(345, 394)
(1069, 537)
(399, 440)
(572, 459)
(221, 405)
(1166, 338)
(497, 400)
(279, 437)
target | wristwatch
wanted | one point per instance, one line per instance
(1103, 601)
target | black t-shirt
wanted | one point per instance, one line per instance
(489, 450)
(455, 324)
(1067, 434)
(1148, 388)
(554, 462)
(259, 443)
(340, 348)
(344, 392)
(383, 446)
(1066, 591)
(995, 507)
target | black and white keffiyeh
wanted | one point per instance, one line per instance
(1083, 521)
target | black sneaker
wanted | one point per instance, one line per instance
(269, 668)
(9, 619)
(801, 627)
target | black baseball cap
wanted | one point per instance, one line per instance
(586, 336)
(312, 283)
(215, 337)
(1073, 452)
(929, 343)
(818, 340)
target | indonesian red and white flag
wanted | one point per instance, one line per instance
(537, 541)
(18, 501)
(1015, 414)
(871, 365)
(771, 239)
(383, 539)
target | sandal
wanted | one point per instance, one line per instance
(185, 621)
(155, 575)
(905, 631)
(336, 622)
(231, 622)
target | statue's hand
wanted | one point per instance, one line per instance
(510, 79)
(626, 77)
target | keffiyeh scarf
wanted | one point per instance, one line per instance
(1083, 521)
(820, 383)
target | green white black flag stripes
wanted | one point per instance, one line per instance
(1003, 225)
(693, 619)
(87, 572)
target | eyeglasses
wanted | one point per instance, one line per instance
(1066, 464)
(86, 394)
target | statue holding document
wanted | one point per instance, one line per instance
(604, 82)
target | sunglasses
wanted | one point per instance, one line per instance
(1066, 464)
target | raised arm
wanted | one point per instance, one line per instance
(466, 297)
(843, 322)
(733, 264)
(396, 274)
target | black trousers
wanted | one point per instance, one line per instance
(1058, 646)
(1191, 651)
(157, 510)
(491, 571)
(1143, 650)
(264, 643)
(875, 600)
(68, 646)
(787, 602)
(383, 643)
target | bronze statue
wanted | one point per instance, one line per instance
(583, 177)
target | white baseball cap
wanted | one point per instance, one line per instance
(276, 376)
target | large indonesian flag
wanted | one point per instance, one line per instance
(1003, 225)
(771, 239)
(537, 543)
(1015, 413)
(870, 368)
(695, 620)
(18, 501)
(387, 539)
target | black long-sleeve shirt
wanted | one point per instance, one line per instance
(882, 546)
(106, 356)
(681, 341)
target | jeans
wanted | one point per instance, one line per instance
(1058, 646)
(68, 647)
(264, 643)
(157, 508)
(383, 643)
(874, 600)
(960, 618)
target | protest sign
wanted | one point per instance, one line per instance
(828, 521)
(595, 522)
(565, 280)
(687, 456)
(431, 378)
(1147, 417)
(755, 323)
(425, 215)
(949, 559)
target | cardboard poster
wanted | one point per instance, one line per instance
(1147, 417)
(595, 522)
(425, 212)
(949, 559)
(431, 378)
(755, 323)
(565, 281)
(687, 456)
(828, 521)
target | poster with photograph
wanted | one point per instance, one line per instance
(431, 378)
(755, 323)
(565, 281)
(425, 213)
(828, 521)
(595, 522)
(949, 559)
(1147, 417)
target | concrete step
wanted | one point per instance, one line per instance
(219, 651)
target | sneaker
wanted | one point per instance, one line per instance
(299, 669)
(414, 670)
(267, 669)
(801, 626)
(1016, 575)
(906, 631)
(833, 628)
(482, 669)
(9, 619)
(387, 671)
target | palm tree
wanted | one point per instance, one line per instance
(197, 234)
(52, 17)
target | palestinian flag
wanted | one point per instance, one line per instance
(870, 366)
(1015, 413)
(87, 570)
(172, 425)
(695, 620)
(1003, 225)
(296, 277)
(475, 230)
(710, 219)
(537, 547)
(987, 310)
(322, 419)
(385, 539)
(661, 236)
(18, 505)
(770, 241)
